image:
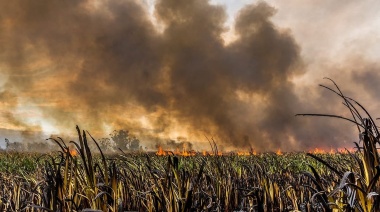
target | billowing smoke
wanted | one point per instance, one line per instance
(111, 64)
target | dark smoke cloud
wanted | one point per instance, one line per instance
(103, 64)
(369, 79)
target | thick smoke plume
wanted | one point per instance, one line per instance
(111, 64)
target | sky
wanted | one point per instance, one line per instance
(235, 71)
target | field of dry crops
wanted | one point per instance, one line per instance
(147, 182)
(92, 181)
(88, 180)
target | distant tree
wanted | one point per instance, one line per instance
(134, 144)
(124, 140)
(106, 145)
(120, 138)
(6, 143)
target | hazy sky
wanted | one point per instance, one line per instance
(234, 70)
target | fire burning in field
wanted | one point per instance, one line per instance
(243, 153)
(161, 152)
(72, 152)
(331, 151)
(187, 153)
(206, 153)
(278, 152)
(183, 152)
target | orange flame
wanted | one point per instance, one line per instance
(332, 151)
(188, 153)
(72, 152)
(161, 152)
(344, 150)
(246, 153)
(278, 152)
(184, 152)
(204, 152)
(243, 153)
(318, 151)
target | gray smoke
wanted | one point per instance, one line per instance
(92, 65)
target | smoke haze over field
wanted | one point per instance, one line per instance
(115, 65)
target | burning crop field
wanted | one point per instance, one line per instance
(80, 178)
(189, 105)
(184, 182)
